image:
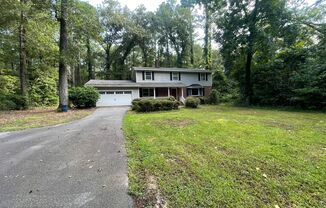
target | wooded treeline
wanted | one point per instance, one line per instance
(268, 52)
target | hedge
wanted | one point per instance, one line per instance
(192, 102)
(148, 105)
(83, 97)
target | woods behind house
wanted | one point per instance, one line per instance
(262, 52)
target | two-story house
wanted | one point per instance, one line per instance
(154, 83)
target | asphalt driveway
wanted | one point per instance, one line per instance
(81, 164)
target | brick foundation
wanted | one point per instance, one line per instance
(207, 91)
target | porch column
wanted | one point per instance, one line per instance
(168, 92)
(181, 92)
(154, 92)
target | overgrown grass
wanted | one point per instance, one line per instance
(38, 117)
(220, 156)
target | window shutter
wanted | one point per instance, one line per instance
(143, 75)
(206, 76)
(171, 76)
(198, 76)
(152, 75)
(179, 76)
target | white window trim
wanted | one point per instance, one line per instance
(148, 91)
(200, 92)
(203, 77)
(148, 73)
(175, 76)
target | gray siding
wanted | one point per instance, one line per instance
(186, 78)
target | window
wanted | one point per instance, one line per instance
(203, 76)
(110, 92)
(195, 92)
(175, 75)
(148, 75)
(102, 93)
(148, 92)
(127, 92)
(118, 92)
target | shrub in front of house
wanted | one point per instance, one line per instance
(203, 100)
(213, 97)
(192, 102)
(83, 97)
(148, 105)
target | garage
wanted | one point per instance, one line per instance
(114, 98)
(115, 92)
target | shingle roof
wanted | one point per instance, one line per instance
(187, 70)
(130, 83)
(111, 83)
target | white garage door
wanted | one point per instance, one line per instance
(114, 98)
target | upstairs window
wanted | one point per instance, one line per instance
(203, 77)
(175, 76)
(148, 75)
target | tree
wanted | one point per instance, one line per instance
(113, 19)
(175, 30)
(22, 49)
(63, 74)
(209, 8)
(248, 26)
(85, 28)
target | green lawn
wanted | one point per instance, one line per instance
(220, 156)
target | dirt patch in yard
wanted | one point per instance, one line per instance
(281, 125)
(176, 123)
(153, 197)
(38, 117)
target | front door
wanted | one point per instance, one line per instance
(173, 92)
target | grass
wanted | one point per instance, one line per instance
(220, 156)
(38, 117)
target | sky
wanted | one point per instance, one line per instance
(151, 5)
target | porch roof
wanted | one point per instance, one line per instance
(162, 84)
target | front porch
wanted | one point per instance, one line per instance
(179, 93)
(162, 92)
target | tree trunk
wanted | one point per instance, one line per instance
(191, 30)
(89, 60)
(63, 74)
(107, 61)
(168, 64)
(22, 52)
(250, 52)
(158, 59)
(78, 79)
(73, 76)
(208, 38)
(145, 56)
(248, 90)
(192, 51)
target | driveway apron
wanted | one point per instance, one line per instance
(80, 164)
